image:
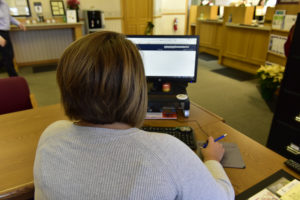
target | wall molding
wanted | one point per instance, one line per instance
(162, 14)
(113, 18)
(175, 13)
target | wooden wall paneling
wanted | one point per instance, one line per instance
(243, 48)
(193, 15)
(269, 15)
(227, 11)
(258, 47)
(219, 36)
(280, 32)
(276, 58)
(291, 9)
(237, 42)
(240, 64)
(210, 37)
(186, 17)
(206, 32)
(242, 15)
(208, 12)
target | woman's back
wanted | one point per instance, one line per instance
(76, 162)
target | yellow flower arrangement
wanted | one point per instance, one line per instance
(270, 77)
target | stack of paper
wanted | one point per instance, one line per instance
(292, 194)
(282, 189)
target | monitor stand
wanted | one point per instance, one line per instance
(176, 98)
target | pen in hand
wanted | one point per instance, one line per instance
(217, 139)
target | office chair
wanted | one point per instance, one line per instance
(14, 95)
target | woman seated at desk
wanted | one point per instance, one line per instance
(103, 154)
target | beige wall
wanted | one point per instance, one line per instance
(165, 11)
(111, 8)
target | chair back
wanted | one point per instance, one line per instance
(14, 95)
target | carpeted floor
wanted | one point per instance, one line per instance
(224, 91)
(207, 57)
(236, 99)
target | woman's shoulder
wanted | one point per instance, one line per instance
(58, 126)
(54, 129)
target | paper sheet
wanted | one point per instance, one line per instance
(293, 194)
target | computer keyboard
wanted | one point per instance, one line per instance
(183, 133)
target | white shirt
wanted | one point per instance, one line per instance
(5, 18)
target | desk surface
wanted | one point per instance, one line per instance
(20, 133)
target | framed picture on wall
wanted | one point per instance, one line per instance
(19, 8)
(38, 8)
(57, 8)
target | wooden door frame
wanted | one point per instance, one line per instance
(122, 3)
(187, 9)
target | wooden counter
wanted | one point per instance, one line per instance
(238, 44)
(77, 27)
(244, 46)
(43, 43)
(210, 32)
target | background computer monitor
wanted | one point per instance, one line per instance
(168, 58)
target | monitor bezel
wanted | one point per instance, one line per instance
(172, 78)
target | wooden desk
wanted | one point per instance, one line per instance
(260, 161)
(20, 133)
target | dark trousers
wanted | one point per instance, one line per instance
(7, 55)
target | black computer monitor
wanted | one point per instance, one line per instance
(168, 58)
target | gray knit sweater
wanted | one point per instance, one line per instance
(75, 162)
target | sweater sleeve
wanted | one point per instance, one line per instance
(14, 21)
(193, 178)
(217, 171)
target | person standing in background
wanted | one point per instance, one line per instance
(6, 48)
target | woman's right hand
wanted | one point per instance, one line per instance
(213, 151)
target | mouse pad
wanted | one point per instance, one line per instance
(232, 157)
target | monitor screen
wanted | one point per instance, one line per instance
(168, 58)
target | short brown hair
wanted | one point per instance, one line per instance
(102, 80)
